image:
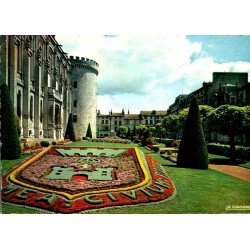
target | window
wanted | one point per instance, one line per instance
(107, 121)
(19, 103)
(32, 67)
(74, 118)
(75, 104)
(120, 122)
(57, 114)
(19, 58)
(31, 108)
(102, 121)
(75, 85)
(41, 111)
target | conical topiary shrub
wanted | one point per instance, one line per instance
(193, 149)
(133, 133)
(89, 132)
(146, 136)
(11, 148)
(128, 133)
(70, 132)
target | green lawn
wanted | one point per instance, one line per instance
(8, 164)
(198, 191)
(245, 165)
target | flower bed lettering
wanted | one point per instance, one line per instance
(128, 178)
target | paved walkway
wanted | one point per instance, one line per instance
(236, 171)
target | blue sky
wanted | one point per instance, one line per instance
(224, 48)
(147, 72)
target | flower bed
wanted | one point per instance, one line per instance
(67, 141)
(111, 140)
(31, 150)
(77, 179)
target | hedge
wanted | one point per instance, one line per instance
(44, 143)
(242, 153)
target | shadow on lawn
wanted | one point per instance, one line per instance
(226, 161)
(216, 161)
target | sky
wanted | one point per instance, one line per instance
(147, 72)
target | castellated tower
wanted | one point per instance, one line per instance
(84, 80)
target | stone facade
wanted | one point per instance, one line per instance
(83, 77)
(226, 88)
(40, 77)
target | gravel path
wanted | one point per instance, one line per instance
(238, 172)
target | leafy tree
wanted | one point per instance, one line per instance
(10, 148)
(152, 130)
(89, 132)
(246, 124)
(228, 120)
(205, 110)
(140, 129)
(193, 149)
(70, 132)
(170, 123)
(121, 130)
(160, 130)
(246, 120)
(182, 119)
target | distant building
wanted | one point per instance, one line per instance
(107, 124)
(226, 88)
(46, 85)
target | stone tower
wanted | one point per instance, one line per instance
(84, 80)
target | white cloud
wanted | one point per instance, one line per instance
(146, 72)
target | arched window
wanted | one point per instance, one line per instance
(41, 111)
(19, 58)
(57, 115)
(19, 104)
(31, 108)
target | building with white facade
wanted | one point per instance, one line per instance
(107, 124)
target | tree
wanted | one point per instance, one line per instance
(152, 130)
(129, 133)
(89, 132)
(10, 148)
(193, 149)
(70, 132)
(205, 110)
(170, 123)
(228, 120)
(121, 131)
(246, 120)
(140, 129)
(133, 133)
(160, 130)
(246, 125)
(146, 135)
